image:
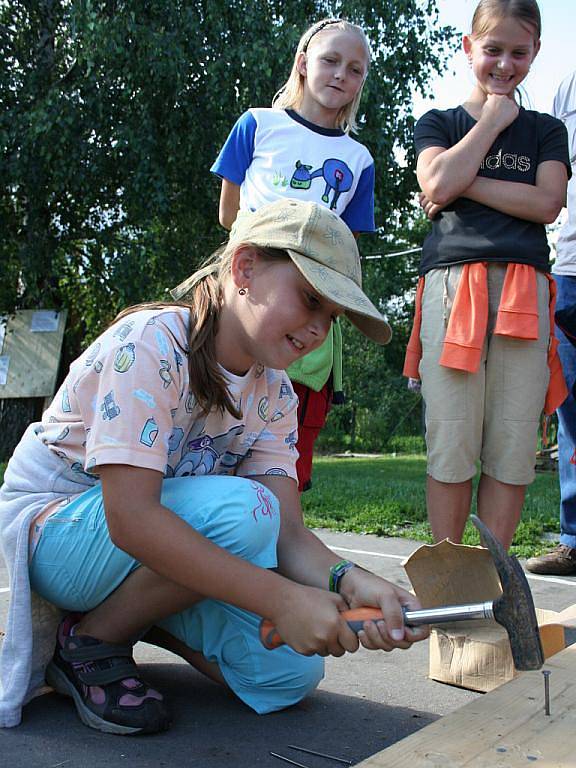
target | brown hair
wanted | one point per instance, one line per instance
(208, 382)
(524, 11)
(290, 95)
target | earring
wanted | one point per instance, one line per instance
(242, 291)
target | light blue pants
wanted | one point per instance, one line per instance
(76, 566)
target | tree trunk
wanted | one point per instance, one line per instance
(15, 415)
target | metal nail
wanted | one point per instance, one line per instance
(320, 754)
(287, 760)
(546, 673)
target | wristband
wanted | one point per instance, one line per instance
(337, 572)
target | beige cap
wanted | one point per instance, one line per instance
(322, 247)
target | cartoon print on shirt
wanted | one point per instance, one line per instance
(109, 408)
(201, 454)
(66, 401)
(263, 408)
(164, 373)
(162, 343)
(249, 439)
(267, 436)
(279, 180)
(124, 358)
(146, 397)
(178, 359)
(149, 432)
(63, 435)
(337, 175)
(285, 390)
(124, 330)
(291, 440)
(175, 439)
(277, 471)
(92, 354)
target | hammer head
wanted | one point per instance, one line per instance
(514, 609)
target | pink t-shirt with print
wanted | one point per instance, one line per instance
(126, 400)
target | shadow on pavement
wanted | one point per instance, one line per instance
(210, 729)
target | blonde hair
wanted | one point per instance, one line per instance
(524, 11)
(291, 93)
(208, 382)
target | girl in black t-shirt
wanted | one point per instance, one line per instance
(492, 174)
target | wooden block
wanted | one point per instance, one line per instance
(476, 654)
(471, 654)
(506, 728)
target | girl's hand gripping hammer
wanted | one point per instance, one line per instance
(514, 609)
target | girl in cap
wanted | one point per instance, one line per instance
(302, 148)
(157, 497)
(492, 175)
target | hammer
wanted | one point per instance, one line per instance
(514, 609)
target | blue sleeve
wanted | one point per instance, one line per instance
(236, 154)
(359, 213)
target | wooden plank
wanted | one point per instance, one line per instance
(506, 728)
(33, 357)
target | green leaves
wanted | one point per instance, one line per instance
(112, 113)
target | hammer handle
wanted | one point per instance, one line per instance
(356, 617)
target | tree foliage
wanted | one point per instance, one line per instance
(112, 111)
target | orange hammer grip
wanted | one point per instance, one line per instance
(355, 619)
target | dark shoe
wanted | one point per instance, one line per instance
(103, 680)
(560, 562)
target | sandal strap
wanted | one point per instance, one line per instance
(104, 676)
(84, 653)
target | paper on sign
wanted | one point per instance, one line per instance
(4, 363)
(44, 321)
(3, 321)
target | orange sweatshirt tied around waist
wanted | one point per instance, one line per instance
(517, 317)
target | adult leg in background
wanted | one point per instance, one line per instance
(562, 559)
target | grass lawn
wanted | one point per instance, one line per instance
(385, 496)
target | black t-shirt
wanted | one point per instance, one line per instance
(467, 231)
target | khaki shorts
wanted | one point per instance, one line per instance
(491, 415)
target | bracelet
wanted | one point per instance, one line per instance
(337, 572)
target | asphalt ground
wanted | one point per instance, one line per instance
(366, 702)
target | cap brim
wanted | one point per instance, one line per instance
(346, 293)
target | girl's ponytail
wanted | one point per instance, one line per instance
(208, 383)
